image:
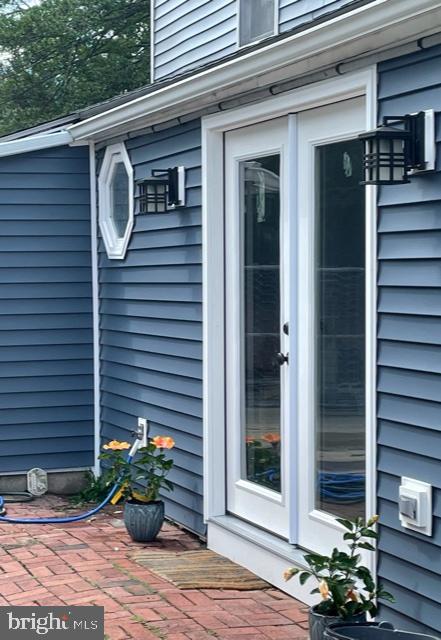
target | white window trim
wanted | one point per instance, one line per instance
(275, 31)
(116, 247)
(213, 247)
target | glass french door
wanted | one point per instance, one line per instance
(257, 324)
(295, 333)
(332, 325)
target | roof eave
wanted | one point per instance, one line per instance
(374, 26)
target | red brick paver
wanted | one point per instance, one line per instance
(92, 562)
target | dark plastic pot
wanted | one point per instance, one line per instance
(371, 631)
(319, 623)
(143, 521)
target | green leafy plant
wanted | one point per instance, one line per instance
(143, 479)
(346, 586)
(96, 488)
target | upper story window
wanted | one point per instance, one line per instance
(115, 189)
(257, 20)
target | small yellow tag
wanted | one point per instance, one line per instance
(117, 497)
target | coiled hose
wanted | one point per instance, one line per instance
(66, 519)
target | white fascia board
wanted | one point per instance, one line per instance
(376, 26)
(33, 143)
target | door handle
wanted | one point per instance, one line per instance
(282, 358)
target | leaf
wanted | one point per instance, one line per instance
(347, 524)
(60, 55)
(368, 533)
(366, 545)
(349, 536)
(304, 577)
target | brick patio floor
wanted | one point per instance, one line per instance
(91, 562)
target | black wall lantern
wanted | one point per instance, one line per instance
(163, 191)
(400, 147)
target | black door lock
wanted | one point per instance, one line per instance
(281, 358)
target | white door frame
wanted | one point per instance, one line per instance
(213, 128)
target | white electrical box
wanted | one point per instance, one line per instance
(415, 506)
(143, 428)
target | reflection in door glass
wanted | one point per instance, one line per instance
(340, 330)
(260, 205)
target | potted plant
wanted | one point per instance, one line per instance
(347, 589)
(141, 483)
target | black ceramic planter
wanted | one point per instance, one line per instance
(319, 623)
(143, 521)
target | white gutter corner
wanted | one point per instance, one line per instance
(34, 143)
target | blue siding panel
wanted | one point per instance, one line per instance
(188, 33)
(46, 390)
(150, 320)
(409, 356)
(294, 13)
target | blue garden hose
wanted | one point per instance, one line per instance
(341, 487)
(81, 516)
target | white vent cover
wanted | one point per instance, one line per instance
(37, 481)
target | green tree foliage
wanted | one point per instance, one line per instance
(60, 55)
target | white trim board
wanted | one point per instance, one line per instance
(34, 143)
(372, 27)
(213, 128)
(95, 308)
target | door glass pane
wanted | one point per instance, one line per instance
(340, 329)
(259, 211)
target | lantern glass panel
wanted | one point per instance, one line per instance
(156, 197)
(391, 160)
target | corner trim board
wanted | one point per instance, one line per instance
(95, 309)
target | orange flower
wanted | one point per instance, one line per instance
(352, 595)
(324, 589)
(250, 439)
(115, 445)
(272, 438)
(163, 442)
(289, 573)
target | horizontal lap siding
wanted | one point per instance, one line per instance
(189, 33)
(46, 381)
(150, 323)
(294, 13)
(409, 355)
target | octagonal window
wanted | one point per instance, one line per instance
(115, 191)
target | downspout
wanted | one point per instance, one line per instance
(95, 309)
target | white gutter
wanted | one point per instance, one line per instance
(374, 27)
(34, 143)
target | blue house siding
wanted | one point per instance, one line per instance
(189, 33)
(150, 327)
(294, 13)
(409, 355)
(46, 384)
